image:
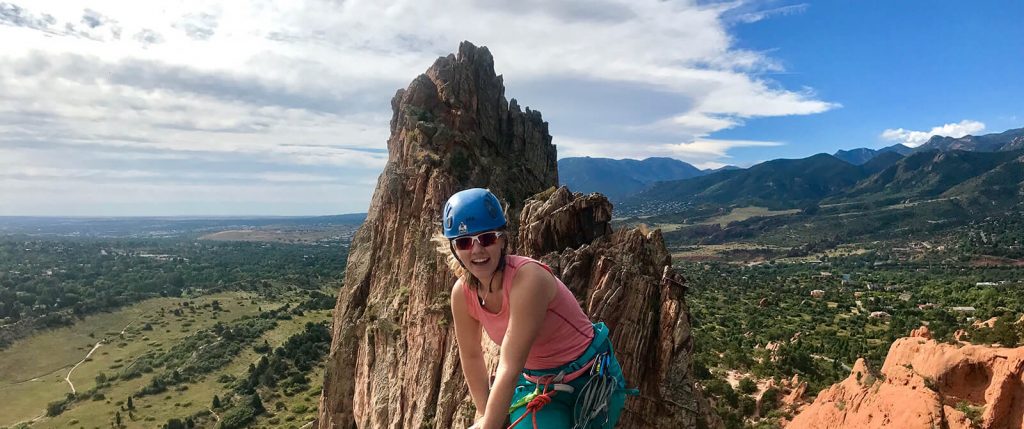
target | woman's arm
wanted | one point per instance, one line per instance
(471, 354)
(533, 288)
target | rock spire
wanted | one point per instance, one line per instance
(393, 361)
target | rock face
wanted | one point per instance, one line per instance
(926, 384)
(393, 361)
(625, 279)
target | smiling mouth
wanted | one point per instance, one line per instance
(480, 261)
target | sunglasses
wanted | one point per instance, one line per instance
(485, 239)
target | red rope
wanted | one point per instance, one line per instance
(535, 405)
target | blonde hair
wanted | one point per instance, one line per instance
(444, 248)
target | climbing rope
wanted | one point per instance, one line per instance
(534, 402)
(593, 400)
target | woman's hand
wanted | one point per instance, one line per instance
(478, 422)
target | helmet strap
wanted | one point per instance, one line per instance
(501, 266)
(456, 255)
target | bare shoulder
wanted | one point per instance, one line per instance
(534, 279)
(458, 303)
(457, 287)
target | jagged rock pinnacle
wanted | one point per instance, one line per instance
(393, 361)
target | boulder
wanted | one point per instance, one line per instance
(921, 332)
(926, 384)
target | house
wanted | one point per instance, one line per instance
(817, 293)
(879, 315)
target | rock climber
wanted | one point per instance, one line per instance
(556, 369)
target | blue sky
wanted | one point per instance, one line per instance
(891, 64)
(282, 107)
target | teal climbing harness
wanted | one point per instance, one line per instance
(588, 393)
(536, 400)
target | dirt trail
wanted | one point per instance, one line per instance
(98, 344)
(29, 421)
(68, 377)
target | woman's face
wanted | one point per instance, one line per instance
(480, 253)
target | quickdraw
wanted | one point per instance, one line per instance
(596, 395)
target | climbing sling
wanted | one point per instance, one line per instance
(587, 393)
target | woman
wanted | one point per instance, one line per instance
(556, 369)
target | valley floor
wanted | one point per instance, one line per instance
(33, 370)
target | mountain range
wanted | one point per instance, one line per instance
(620, 178)
(966, 166)
(823, 178)
(861, 155)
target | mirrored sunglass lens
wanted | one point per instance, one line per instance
(463, 243)
(488, 239)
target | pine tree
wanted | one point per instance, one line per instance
(256, 403)
(216, 402)
(131, 406)
(117, 419)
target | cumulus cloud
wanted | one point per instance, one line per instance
(281, 89)
(916, 138)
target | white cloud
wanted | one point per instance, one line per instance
(710, 152)
(291, 85)
(758, 15)
(715, 148)
(916, 138)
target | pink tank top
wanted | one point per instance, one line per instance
(566, 332)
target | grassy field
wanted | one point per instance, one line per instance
(713, 252)
(285, 235)
(734, 215)
(744, 213)
(32, 371)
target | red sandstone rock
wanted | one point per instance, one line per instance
(921, 332)
(990, 323)
(922, 384)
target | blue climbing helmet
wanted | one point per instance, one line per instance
(471, 212)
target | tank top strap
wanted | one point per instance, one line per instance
(512, 264)
(472, 305)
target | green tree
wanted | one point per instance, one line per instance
(747, 386)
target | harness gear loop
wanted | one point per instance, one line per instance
(595, 396)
